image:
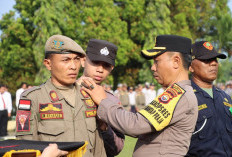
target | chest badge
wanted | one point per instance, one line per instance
(54, 95)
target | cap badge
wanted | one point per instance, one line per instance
(57, 44)
(208, 45)
(104, 51)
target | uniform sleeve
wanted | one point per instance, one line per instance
(113, 141)
(132, 124)
(26, 122)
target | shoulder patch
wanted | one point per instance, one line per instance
(160, 111)
(24, 104)
(26, 92)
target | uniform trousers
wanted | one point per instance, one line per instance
(3, 122)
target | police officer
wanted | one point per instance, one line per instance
(165, 126)
(99, 62)
(54, 110)
(213, 132)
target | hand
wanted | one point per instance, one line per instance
(96, 92)
(53, 151)
(102, 125)
(9, 115)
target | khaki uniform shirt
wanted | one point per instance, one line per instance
(171, 141)
(53, 118)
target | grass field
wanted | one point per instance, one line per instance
(128, 147)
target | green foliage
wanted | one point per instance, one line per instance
(130, 24)
(128, 148)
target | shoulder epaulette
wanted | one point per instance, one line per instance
(26, 92)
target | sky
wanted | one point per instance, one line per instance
(7, 5)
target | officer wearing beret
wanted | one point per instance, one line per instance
(54, 110)
(99, 62)
(165, 126)
(213, 132)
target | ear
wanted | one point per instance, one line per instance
(47, 63)
(176, 61)
(112, 67)
(191, 69)
(83, 60)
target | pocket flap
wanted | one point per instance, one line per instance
(91, 124)
(51, 127)
(204, 114)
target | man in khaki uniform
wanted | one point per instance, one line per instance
(54, 111)
(165, 126)
(99, 62)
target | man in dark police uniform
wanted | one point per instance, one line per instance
(213, 133)
(165, 126)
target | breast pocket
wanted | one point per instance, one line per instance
(204, 122)
(51, 130)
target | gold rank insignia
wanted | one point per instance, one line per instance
(54, 95)
(227, 104)
(201, 107)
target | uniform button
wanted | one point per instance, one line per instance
(204, 117)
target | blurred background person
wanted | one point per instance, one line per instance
(151, 94)
(118, 90)
(5, 109)
(124, 98)
(228, 88)
(139, 97)
(22, 88)
(132, 103)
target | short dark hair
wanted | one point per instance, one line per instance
(48, 56)
(23, 84)
(186, 59)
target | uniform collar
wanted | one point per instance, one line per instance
(198, 89)
(52, 91)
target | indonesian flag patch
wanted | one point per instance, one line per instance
(24, 104)
(23, 120)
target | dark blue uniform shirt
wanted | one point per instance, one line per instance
(213, 133)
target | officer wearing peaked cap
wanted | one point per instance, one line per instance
(165, 126)
(212, 135)
(54, 111)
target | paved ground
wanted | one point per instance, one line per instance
(10, 130)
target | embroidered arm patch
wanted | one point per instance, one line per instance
(160, 111)
(23, 121)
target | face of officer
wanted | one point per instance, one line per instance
(64, 68)
(204, 71)
(167, 68)
(97, 70)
